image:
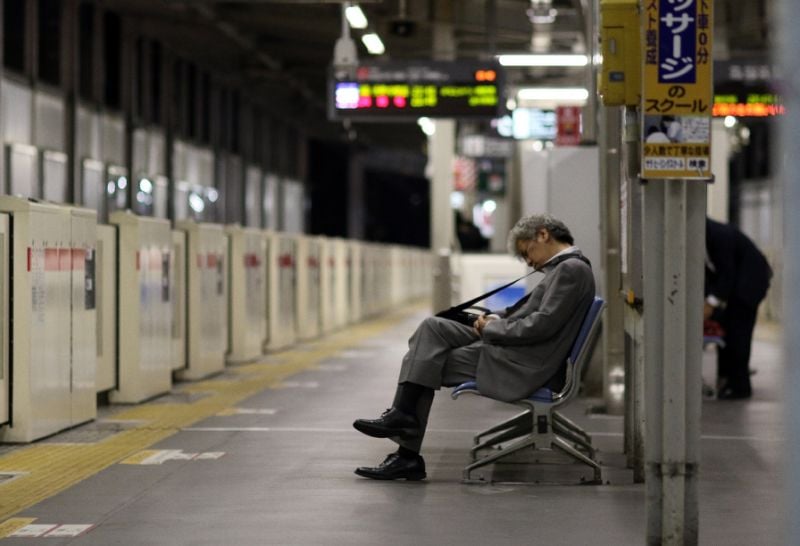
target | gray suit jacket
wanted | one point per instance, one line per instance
(525, 348)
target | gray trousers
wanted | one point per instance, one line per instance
(440, 353)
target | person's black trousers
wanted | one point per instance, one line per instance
(733, 362)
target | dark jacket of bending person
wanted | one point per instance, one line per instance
(737, 280)
(510, 353)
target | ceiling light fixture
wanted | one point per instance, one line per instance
(373, 43)
(427, 125)
(543, 60)
(355, 17)
(559, 94)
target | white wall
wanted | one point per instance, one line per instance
(565, 182)
(717, 204)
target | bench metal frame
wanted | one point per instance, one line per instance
(540, 426)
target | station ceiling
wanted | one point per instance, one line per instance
(281, 50)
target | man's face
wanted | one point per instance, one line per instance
(534, 251)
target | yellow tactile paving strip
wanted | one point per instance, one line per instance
(52, 468)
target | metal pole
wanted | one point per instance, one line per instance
(610, 140)
(632, 264)
(589, 129)
(696, 195)
(673, 369)
(674, 237)
(789, 155)
(653, 230)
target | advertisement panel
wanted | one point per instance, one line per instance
(677, 89)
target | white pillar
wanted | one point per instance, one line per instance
(441, 146)
(674, 249)
(720, 157)
(789, 158)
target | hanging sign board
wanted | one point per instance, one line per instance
(677, 89)
(406, 91)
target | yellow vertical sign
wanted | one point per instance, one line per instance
(677, 89)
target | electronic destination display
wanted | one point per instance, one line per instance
(410, 90)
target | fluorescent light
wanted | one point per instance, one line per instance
(373, 43)
(553, 93)
(427, 125)
(355, 17)
(543, 60)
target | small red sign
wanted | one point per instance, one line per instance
(569, 125)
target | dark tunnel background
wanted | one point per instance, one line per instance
(395, 205)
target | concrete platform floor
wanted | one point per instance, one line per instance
(276, 468)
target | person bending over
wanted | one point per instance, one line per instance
(737, 278)
(510, 353)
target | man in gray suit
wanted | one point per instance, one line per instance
(510, 353)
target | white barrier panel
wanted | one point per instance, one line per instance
(42, 398)
(424, 277)
(383, 278)
(334, 298)
(354, 265)
(144, 313)
(341, 282)
(247, 325)
(83, 291)
(309, 280)
(282, 290)
(5, 383)
(106, 305)
(326, 305)
(366, 289)
(207, 293)
(397, 274)
(178, 282)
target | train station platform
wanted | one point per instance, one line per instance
(264, 453)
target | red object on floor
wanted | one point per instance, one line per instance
(712, 328)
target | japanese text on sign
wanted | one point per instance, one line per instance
(677, 89)
(406, 90)
(677, 56)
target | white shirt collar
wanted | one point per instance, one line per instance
(569, 250)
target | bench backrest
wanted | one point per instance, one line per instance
(581, 349)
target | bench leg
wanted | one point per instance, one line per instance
(576, 439)
(515, 421)
(528, 441)
(504, 436)
(567, 423)
(569, 450)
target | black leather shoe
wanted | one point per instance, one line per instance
(392, 424)
(395, 467)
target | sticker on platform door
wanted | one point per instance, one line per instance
(220, 276)
(165, 260)
(89, 279)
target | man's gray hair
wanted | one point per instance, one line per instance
(527, 226)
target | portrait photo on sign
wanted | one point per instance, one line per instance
(677, 129)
